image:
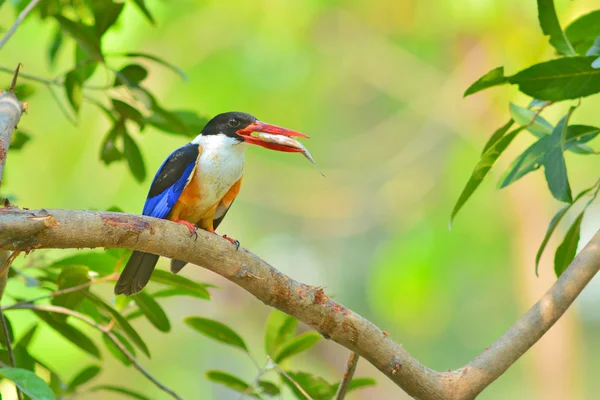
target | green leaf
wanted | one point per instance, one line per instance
(493, 78)
(317, 388)
(268, 388)
(551, 27)
(499, 134)
(280, 328)
(11, 335)
(121, 323)
(530, 160)
(21, 356)
(554, 163)
(74, 90)
(583, 31)
(109, 152)
(85, 65)
(55, 46)
(190, 287)
(18, 140)
(217, 331)
(85, 36)
(297, 345)
(141, 4)
(565, 253)
(187, 123)
(127, 111)
(153, 311)
(23, 91)
(98, 262)
(359, 383)
(29, 383)
(131, 75)
(84, 376)
(27, 337)
(106, 14)
(118, 389)
(70, 333)
(523, 117)
(69, 277)
(134, 158)
(483, 167)
(160, 61)
(560, 79)
(115, 351)
(230, 381)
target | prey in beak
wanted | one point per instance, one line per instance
(285, 143)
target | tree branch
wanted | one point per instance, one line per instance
(18, 21)
(350, 369)
(10, 114)
(27, 230)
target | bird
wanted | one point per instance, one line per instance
(197, 184)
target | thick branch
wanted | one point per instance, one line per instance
(26, 230)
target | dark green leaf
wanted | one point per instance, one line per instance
(554, 163)
(153, 311)
(583, 31)
(55, 46)
(523, 117)
(483, 167)
(193, 288)
(217, 331)
(142, 6)
(115, 351)
(187, 123)
(134, 158)
(24, 91)
(85, 36)
(530, 160)
(493, 78)
(162, 62)
(69, 277)
(18, 140)
(565, 253)
(74, 90)
(297, 345)
(317, 388)
(98, 262)
(109, 151)
(280, 328)
(29, 383)
(551, 27)
(121, 323)
(230, 381)
(21, 356)
(357, 383)
(127, 111)
(70, 333)
(499, 134)
(560, 79)
(117, 389)
(27, 337)
(84, 376)
(85, 64)
(131, 75)
(268, 388)
(10, 333)
(105, 14)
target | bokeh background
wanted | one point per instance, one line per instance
(378, 86)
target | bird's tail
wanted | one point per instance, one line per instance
(136, 273)
(176, 265)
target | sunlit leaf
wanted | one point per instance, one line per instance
(74, 90)
(27, 337)
(583, 31)
(551, 27)
(141, 4)
(493, 78)
(217, 331)
(84, 376)
(98, 262)
(483, 167)
(565, 253)
(317, 388)
(192, 288)
(19, 139)
(115, 351)
(230, 381)
(131, 75)
(121, 390)
(280, 328)
(70, 333)
(153, 311)
(23, 91)
(134, 158)
(162, 62)
(86, 36)
(71, 276)
(524, 117)
(297, 345)
(127, 111)
(498, 134)
(29, 383)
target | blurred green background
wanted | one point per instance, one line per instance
(378, 86)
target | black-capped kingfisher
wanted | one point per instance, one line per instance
(197, 184)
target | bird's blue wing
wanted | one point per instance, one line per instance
(170, 181)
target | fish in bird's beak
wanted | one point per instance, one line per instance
(273, 130)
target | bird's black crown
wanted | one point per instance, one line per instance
(228, 124)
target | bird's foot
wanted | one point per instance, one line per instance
(193, 228)
(234, 242)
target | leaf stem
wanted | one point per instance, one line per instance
(18, 21)
(289, 378)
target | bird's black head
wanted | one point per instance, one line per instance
(228, 124)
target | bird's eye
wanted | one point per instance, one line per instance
(233, 123)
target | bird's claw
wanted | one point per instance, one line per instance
(193, 228)
(234, 242)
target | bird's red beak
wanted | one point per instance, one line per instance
(258, 126)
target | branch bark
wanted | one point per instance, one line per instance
(28, 230)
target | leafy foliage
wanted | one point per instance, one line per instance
(573, 75)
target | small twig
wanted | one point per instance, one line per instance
(350, 368)
(30, 77)
(254, 384)
(105, 331)
(13, 84)
(8, 262)
(9, 349)
(20, 19)
(61, 106)
(289, 378)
